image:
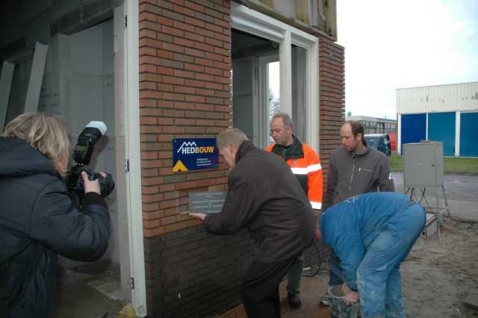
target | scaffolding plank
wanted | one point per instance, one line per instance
(36, 78)
(5, 87)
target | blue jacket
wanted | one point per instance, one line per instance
(351, 226)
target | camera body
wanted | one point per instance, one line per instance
(82, 156)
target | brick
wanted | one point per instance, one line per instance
(147, 51)
(194, 83)
(204, 47)
(194, 68)
(147, 16)
(194, 6)
(148, 224)
(152, 215)
(147, 103)
(185, 74)
(184, 42)
(150, 43)
(213, 71)
(185, 185)
(165, 88)
(205, 32)
(149, 77)
(183, 10)
(175, 227)
(173, 47)
(195, 99)
(184, 122)
(168, 220)
(185, 90)
(165, 70)
(177, 17)
(173, 80)
(150, 94)
(194, 52)
(203, 61)
(183, 26)
(153, 232)
(212, 27)
(205, 77)
(147, 34)
(148, 121)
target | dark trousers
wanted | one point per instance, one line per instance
(260, 288)
(4, 304)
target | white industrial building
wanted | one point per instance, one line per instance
(446, 113)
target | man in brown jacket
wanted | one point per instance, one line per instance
(264, 196)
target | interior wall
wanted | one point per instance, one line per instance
(243, 96)
(91, 97)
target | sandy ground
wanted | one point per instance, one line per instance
(440, 274)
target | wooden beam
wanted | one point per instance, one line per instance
(5, 86)
(36, 78)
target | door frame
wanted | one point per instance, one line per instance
(128, 41)
(256, 23)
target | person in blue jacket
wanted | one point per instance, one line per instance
(372, 235)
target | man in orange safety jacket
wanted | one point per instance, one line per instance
(305, 164)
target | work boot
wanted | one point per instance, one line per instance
(326, 300)
(294, 300)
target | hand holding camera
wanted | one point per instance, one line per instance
(95, 182)
(80, 179)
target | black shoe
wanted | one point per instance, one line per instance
(326, 300)
(294, 301)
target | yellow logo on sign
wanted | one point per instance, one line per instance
(179, 166)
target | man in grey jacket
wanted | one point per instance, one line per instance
(354, 169)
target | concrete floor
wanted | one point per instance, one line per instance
(88, 293)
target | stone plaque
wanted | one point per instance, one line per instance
(206, 202)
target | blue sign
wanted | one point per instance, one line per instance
(194, 154)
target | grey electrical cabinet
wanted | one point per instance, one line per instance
(423, 164)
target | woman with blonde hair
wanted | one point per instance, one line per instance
(38, 218)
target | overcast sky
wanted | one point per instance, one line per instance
(392, 44)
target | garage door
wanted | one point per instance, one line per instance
(413, 128)
(441, 127)
(468, 135)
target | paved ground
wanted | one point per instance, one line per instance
(86, 300)
(461, 192)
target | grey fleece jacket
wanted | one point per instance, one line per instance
(351, 174)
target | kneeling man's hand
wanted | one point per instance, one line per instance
(351, 297)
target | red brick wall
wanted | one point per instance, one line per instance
(185, 78)
(185, 64)
(331, 99)
(184, 92)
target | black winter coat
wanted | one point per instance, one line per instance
(38, 220)
(265, 196)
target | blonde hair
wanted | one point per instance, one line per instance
(45, 132)
(233, 137)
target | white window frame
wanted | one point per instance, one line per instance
(256, 23)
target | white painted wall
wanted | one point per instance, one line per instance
(91, 97)
(440, 98)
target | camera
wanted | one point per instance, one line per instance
(82, 156)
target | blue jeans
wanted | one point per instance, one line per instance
(378, 275)
(335, 275)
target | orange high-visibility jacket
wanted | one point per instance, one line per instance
(305, 165)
